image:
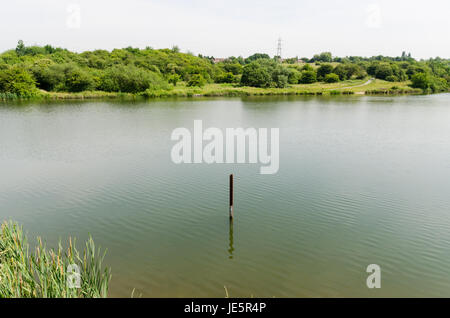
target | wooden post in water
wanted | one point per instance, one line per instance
(231, 196)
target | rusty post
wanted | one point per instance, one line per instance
(231, 196)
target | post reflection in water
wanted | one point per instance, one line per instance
(230, 237)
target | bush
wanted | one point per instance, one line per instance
(383, 71)
(234, 68)
(294, 76)
(196, 80)
(17, 81)
(130, 79)
(420, 80)
(174, 79)
(78, 80)
(308, 77)
(392, 78)
(280, 76)
(323, 57)
(341, 71)
(226, 78)
(331, 78)
(323, 70)
(256, 75)
(428, 82)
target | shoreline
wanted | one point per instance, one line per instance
(365, 87)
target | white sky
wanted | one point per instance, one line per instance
(233, 27)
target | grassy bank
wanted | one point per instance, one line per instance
(45, 272)
(349, 87)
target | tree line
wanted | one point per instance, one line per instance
(27, 70)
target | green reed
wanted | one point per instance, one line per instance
(44, 272)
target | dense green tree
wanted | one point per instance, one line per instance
(20, 48)
(196, 80)
(130, 79)
(174, 79)
(323, 57)
(429, 82)
(294, 76)
(234, 68)
(308, 77)
(323, 70)
(16, 80)
(331, 78)
(255, 74)
(256, 56)
(78, 80)
(227, 78)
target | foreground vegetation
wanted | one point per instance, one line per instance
(48, 72)
(44, 273)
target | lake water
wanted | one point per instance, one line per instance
(362, 180)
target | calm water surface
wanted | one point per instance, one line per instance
(362, 180)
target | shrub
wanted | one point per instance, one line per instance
(196, 80)
(78, 80)
(428, 82)
(130, 79)
(174, 79)
(226, 78)
(294, 76)
(331, 78)
(323, 70)
(256, 75)
(15, 80)
(308, 77)
(234, 68)
(392, 78)
(280, 76)
(323, 57)
(382, 71)
(420, 80)
(341, 71)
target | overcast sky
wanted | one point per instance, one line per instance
(233, 27)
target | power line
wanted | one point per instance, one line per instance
(279, 48)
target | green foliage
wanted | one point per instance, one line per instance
(294, 76)
(280, 76)
(323, 70)
(17, 81)
(44, 273)
(132, 70)
(428, 82)
(78, 80)
(130, 79)
(196, 80)
(307, 67)
(348, 71)
(174, 79)
(231, 67)
(20, 48)
(227, 78)
(265, 73)
(256, 56)
(308, 77)
(392, 78)
(256, 75)
(331, 78)
(323, 57)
